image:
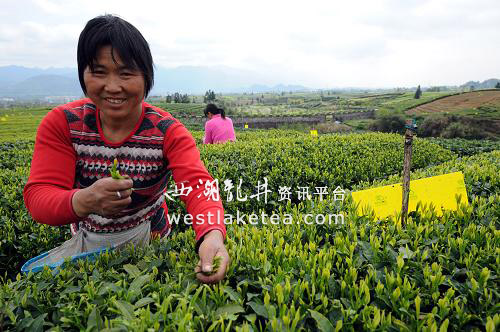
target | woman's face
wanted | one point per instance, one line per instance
(116, 89)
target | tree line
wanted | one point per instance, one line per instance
(178, 98)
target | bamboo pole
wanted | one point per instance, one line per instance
(410, 128)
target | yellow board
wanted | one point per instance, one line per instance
(246, 126)
(314, 133)
(439, 190)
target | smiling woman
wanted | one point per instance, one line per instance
(77, 143)
(117, 90)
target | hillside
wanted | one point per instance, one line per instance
(471, 103)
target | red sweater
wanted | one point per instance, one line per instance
(71, 153)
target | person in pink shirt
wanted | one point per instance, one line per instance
(219, 128)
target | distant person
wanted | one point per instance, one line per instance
(219, 128)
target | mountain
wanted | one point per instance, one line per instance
(41, 86)
(17, 81)
(488, 84)
(16, 74)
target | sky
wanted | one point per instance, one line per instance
(318, 44)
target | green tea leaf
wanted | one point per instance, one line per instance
(259, 309)
(95, 320)
(71, 289)
(37, 324)
(229, 309)
(233, 295)
(126, 309)
(144, 301)
(132, 270)
(324, 324)
(138, 283)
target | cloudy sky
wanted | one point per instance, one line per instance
(319, 44)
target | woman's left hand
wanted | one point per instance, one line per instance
(212, 246)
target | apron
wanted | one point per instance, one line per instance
(85, 241)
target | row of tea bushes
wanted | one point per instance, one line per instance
(294, 160)
(465, 147)
(20, 237)
(481, 174)
(328, 161)
(437, 273)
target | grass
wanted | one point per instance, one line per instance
(17, 124)
(401, 103)
(482, 112)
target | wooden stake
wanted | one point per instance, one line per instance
(410, 127)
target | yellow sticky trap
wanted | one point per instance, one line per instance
(439, 190)
(314, 133)
(246, 126)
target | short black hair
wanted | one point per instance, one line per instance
(123, 37)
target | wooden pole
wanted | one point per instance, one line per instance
(410, 127)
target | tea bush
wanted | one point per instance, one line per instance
(438, 272)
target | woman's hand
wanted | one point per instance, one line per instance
(212, 246)
(106, 197)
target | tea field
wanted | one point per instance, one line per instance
(438, 273)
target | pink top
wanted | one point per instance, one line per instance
(219, 130)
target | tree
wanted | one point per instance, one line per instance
(177, 97)
(497, 86)
(209, 96)
(418, 93)
(389, 124)
(169, 99)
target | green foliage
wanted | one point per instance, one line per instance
(481, 172)
(363, 275)
(114, 172)
(20, 237)
(388, 124)
(290, 159)
(209, 97)
(404, 102)
(439, 272)
(451, 126)
(466, 147)
(305, 161)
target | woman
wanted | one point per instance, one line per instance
(76, 144)
(218, 128)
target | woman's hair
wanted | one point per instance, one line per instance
(121, 36)
(212, 108)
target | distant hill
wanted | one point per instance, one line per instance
(43, 85)
(476, 85)
(17, 81)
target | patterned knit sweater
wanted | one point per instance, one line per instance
(71, 153)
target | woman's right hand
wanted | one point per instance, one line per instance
(106, 197)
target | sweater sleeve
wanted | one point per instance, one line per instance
(49, 190)
(184, 161)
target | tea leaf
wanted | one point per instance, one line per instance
(324, 324)
(132, 270)
(229, 309)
